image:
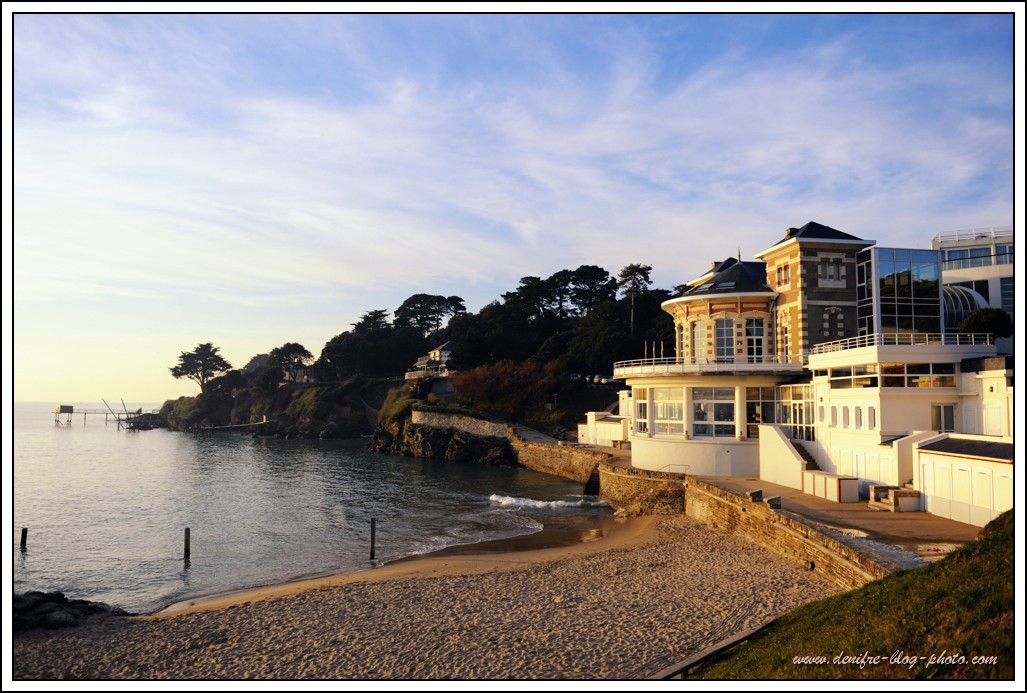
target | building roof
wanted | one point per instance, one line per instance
(982, 449)
(813, 230)
(733, 278)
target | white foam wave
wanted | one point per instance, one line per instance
(574, 502)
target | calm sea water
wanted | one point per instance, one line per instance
(106, 509)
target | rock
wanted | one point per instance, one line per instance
(53, 610)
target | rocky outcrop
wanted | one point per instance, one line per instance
(340, 410)
(51, 610)
(408, 439)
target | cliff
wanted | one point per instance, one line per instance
(336, 410)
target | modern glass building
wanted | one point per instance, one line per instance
(898, 291)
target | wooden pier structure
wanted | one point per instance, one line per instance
(132, 420)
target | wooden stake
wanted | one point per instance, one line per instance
(186, 543)
(372, 538)
(24, 537)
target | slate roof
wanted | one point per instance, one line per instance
(813, 230)
(983, 449)
(735, 278)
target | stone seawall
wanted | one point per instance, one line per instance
(467, 424)
(640, 491)
(785, 535)
(567, 461)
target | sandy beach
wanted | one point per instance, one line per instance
(649, 594)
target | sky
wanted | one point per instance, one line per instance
(256, 179)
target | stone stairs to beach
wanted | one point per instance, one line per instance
(592, 485)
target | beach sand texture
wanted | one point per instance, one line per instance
(653, 592)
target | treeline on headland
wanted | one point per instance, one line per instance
(521, 357)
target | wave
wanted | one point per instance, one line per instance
(572, 502)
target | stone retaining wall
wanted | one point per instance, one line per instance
(567, 461)
(785, 535)
(468, 424)
(641, 492)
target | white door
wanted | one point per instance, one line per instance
(861, 472)
(926, 485)
(970, 419)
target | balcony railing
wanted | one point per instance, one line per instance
(891, 339)
(712, 364)
(975, 234)
(979, 261)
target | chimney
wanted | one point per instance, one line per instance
(790, 232)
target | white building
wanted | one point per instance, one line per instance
(826, 367)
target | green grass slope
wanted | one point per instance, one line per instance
(948, 620)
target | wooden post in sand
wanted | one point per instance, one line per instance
(372, 538)
(186, 556)
(24, 537)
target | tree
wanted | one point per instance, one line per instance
(991, 320)
(633, 280)
(592, 285)
(427, 312)
(371, 321)
(201, 365)
(291, 357)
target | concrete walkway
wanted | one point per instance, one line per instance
(928, 536)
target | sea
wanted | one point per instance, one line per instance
(106, 509)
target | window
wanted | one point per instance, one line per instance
(821, 416)
(831, 270)
(670, 410)
(943, 417)
(834, 416)
(871, 418)
(1007, 289)
(759, 408)
(786, 347)
(713, 412)
(642, 410)
(696, 351)
(918, 375)
(783, 275)
(859, 417)
(845, 417)
(725, 340)
(754, 340)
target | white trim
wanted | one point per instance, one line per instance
(707, 297)
(837, 241)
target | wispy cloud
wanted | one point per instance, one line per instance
(272, 161)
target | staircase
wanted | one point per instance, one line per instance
(592, 485)
(811, 464)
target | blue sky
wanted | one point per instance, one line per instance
(251, 180)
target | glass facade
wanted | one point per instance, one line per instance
(898, 291)
(713, 412)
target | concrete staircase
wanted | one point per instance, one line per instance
(592, 485)
(811, 464)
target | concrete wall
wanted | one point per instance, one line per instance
(701, 456)
(780, 533)
(778, 461)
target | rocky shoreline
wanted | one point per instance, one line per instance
(52, 610)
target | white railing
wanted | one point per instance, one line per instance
(973, 234)
(889, 339)
(709, 365)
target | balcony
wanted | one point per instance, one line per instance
(763, 365)
(893, 339)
